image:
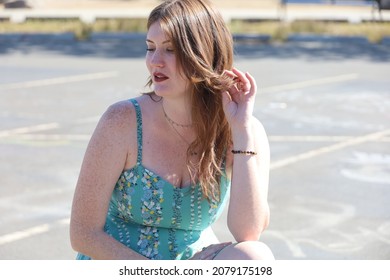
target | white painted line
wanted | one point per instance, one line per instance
(59, 80)
(309, 83)
(384, 139)
(12, 237)
(18, 235)
(94, 119)
(294, 247)
(338, 146)
(54, 137)
(29, 129)
(307, 138)
(48, 126)
(65, 221)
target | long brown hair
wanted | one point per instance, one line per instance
(204, 49)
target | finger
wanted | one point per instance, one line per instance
(241, 83)
(229, 73)
(243, 79)
(216, 249)
(252, 81)
(239, 73)
(232, 75)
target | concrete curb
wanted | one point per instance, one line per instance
(291, 13)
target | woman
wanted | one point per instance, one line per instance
(178, 151)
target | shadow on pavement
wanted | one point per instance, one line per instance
(319, 48)
(131, 45)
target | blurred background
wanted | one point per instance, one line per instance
(324, 98)
(275, 18)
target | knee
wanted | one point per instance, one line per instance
(255, 250)
(247, 250)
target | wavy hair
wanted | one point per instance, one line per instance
(204, 49)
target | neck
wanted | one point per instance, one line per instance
(179, 111)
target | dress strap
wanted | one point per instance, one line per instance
(139, 129)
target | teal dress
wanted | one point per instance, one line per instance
(156, 219)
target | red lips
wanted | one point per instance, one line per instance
(159, 77)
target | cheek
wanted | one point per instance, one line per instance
(182, 77)
(148, 61)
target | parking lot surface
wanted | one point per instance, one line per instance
(325, 104)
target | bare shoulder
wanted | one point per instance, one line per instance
(116, 127)
(112, 142)
(118, 114)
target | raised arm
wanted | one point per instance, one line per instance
(248, 213)
(103, 162)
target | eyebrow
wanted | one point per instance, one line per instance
(150, 41)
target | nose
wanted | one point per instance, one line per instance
(157, 59)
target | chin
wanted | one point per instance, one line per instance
(168, 92)
(162, 91)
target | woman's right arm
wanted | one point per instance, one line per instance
(103, 163)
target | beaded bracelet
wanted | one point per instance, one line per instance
(252, 153)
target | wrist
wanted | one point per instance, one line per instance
(243, 140)
(242, 126)
(241, 130)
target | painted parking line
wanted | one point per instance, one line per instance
(331, 148)
(310, 83)
(44, 127)
(54, 137)
(40, 229)
(29, 129)
(317, 138)
(59, 80)
(307, 138)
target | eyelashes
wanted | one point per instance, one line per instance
(167, 50)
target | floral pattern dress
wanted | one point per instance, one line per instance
(156, 219)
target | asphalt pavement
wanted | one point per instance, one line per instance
(324, 102)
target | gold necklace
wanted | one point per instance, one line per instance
(182, 138)
(177, 132)
(172, 122)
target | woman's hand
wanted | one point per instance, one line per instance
(209, 252)
(238, 100)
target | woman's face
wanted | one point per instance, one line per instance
(161, 62)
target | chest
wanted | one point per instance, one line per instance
(166, 155)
